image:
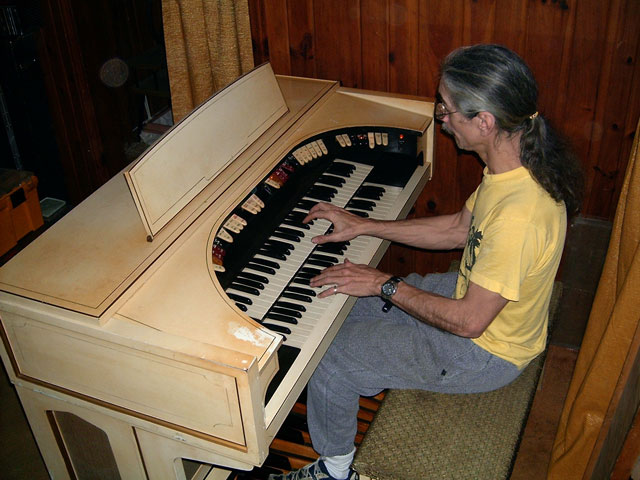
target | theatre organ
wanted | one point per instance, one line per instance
(168, 317)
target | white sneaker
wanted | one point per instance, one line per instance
(313, 471)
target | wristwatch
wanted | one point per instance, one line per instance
(390, 287)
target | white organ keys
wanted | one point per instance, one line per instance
(272, 290)
(276, 291)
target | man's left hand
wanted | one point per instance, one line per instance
(350, 279)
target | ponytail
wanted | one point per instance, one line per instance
(551, 162)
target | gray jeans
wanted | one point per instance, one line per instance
(375, 350)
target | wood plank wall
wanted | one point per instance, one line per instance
(93, 122)
(584, 54)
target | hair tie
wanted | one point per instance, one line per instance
(532, 116)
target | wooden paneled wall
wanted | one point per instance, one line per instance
(94, 122)
(584, 54)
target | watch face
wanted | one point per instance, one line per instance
(389, 288)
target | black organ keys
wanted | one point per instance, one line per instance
(256, 200)
(272, 286)
(289, 244)
(294, 311)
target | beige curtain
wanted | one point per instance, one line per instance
(610, 343)
(208, 45)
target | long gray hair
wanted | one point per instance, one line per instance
(492, 78)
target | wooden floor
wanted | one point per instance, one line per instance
(580, 271)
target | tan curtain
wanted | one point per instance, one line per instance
(208, 45)
(610, 343)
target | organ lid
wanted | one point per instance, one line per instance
(89, 258)
(196, 150)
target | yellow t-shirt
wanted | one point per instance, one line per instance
(513, 248)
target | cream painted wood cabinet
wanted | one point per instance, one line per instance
(119, 332)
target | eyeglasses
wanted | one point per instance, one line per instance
(441, 111)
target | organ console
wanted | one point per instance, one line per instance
(168, 319)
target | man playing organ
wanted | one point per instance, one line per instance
(470, 331)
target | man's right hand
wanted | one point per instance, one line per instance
(346, 225)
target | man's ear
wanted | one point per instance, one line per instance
(486, 122)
